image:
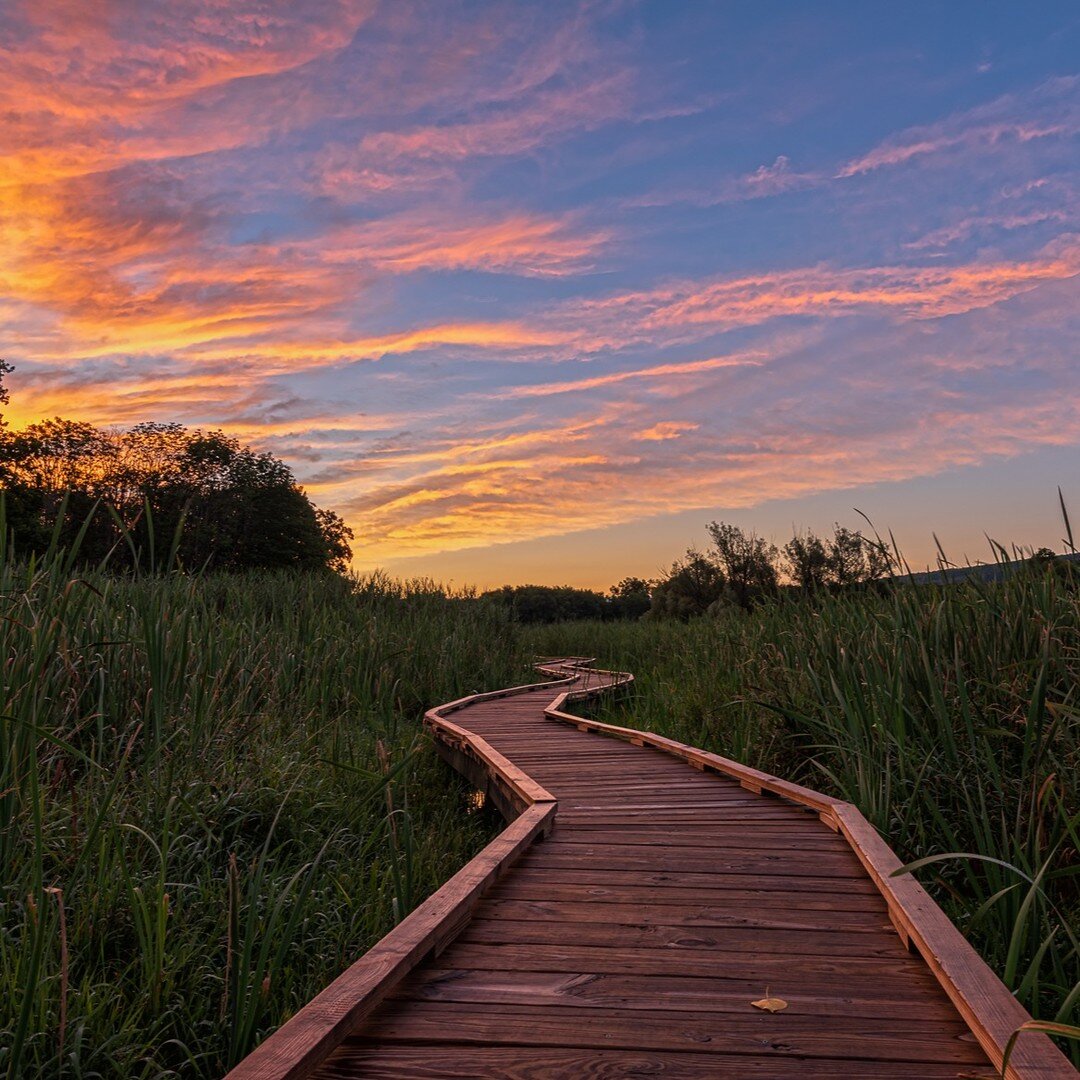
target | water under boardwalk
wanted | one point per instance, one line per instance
(634, 938)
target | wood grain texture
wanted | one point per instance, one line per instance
(674, 888)
(453, 1061)
(985, 1004)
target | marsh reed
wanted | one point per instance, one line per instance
(949, 714)
(214, 794)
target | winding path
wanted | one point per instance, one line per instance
(672, 889)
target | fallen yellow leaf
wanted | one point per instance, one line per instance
(770, 1004)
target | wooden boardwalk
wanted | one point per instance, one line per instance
(632, 941)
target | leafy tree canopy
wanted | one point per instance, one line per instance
(631, 598)
(548, 604)
(846, 558)
(694, 584)
(139, 490)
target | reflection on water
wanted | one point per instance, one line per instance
(475, 801)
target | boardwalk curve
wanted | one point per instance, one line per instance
(673, 887)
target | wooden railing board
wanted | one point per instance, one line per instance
(751, 779)
(516, 779)
(306, 1040)
(984, 1002)
(980, 997)
(297, 1048)
(302, 1043)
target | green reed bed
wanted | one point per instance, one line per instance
(214, 795)
(949, 715)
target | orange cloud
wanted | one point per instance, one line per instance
(210, 210)
(908, 292)
(281, 356)
(547, 494)
(520, 243)
(86, 87)
(665, 430)
(655, 371)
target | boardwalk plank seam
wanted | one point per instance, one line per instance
(570, 929)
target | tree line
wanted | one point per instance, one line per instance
(156, 491)
(738, 569)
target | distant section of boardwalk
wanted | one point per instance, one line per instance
(672, 892)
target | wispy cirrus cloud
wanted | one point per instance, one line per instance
(764, 182)
(392, 244)
(520, 243)
(976, 224)
(828, 415)
(654, 372)
(1051, 110)
(123, 245)
(90, 87)
(906, 292)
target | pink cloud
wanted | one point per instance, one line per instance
(549, 488)
(904, 292)
(522, 243)
(156, 262)
(1051, 110)
(422, 156)
(665, 430)
(553, 113)
(659, 372)
(978, 223)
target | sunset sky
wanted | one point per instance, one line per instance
(532, 291)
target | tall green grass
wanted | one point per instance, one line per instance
(949, 714)
(214, 795)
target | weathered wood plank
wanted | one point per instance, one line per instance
(448, 1061)
(742, 914)
(747, 902)
(769, 971)
(632, 942)
(713, 883)
(674, 993)
(784, 1035)
(674, 861)
(675, 940)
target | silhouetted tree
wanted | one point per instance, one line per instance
(547, 603)
(807, 561)
(5, 397)
(854, 559)
(846, 558)
(22, 505)
(747, 561)
(336, 536)
(629, 599)
(230, 507)
(694, 584)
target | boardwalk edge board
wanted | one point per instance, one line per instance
(305, 1041)
(980, 997)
